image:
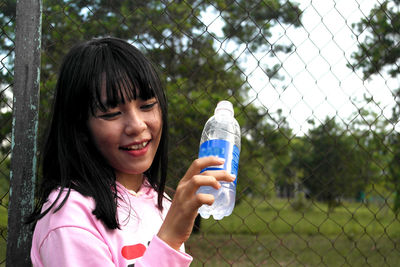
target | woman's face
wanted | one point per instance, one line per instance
(128, 135)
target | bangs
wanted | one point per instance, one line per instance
(122, 76)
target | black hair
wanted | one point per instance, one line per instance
(69, 158)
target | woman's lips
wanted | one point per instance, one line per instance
(136, 149)
(135, 146)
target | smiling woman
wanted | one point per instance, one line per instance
(128, 136)
(102, 200)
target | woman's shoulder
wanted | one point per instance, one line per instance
(73, 219)
(68, 208)
(71, 199)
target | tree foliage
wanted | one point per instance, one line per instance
(331, 162)
(335, 165)
(380, 48)
(197, 73)
(380, 52)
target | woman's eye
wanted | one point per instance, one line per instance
(148, 106)
(110, 115)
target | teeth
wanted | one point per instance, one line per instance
(137, 147)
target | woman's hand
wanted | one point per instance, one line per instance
(178, 223)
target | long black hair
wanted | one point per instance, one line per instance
(69, 159)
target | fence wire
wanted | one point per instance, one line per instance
(6, 73)
(316, 91)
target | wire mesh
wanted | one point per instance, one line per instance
(7, 21)
(315, 88)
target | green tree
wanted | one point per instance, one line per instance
(379, 52)
(334, 166)
(7, 36)
(281, 143)
(265, 151)
(196, 70)
(371, 133)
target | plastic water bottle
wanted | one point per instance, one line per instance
(221, 138)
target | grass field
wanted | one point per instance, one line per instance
(292, 250)
(272, 233)
(3, 234)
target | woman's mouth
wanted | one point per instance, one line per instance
(137, 146)
(136, 149)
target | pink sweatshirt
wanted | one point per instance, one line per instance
(73, 236)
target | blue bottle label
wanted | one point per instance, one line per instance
(222, 149)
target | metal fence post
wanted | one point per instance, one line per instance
(24, 132)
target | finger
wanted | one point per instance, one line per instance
(202, 163)
(205, 199)
(204, 180)
(220, 175)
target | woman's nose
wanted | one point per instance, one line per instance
(135, 123)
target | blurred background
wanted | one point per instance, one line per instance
(315, 87)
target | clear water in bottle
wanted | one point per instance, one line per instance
(221, 138)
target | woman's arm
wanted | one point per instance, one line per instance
(160, 254)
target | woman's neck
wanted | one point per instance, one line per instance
(130, 181)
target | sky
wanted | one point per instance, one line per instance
(317, 82)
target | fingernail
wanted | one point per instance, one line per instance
(222, 160)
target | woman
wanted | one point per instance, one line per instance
(102, 200)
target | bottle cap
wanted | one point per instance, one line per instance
(224, 106)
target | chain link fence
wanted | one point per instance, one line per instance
(6, 66)
(315, 88)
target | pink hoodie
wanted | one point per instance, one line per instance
(73, 236)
